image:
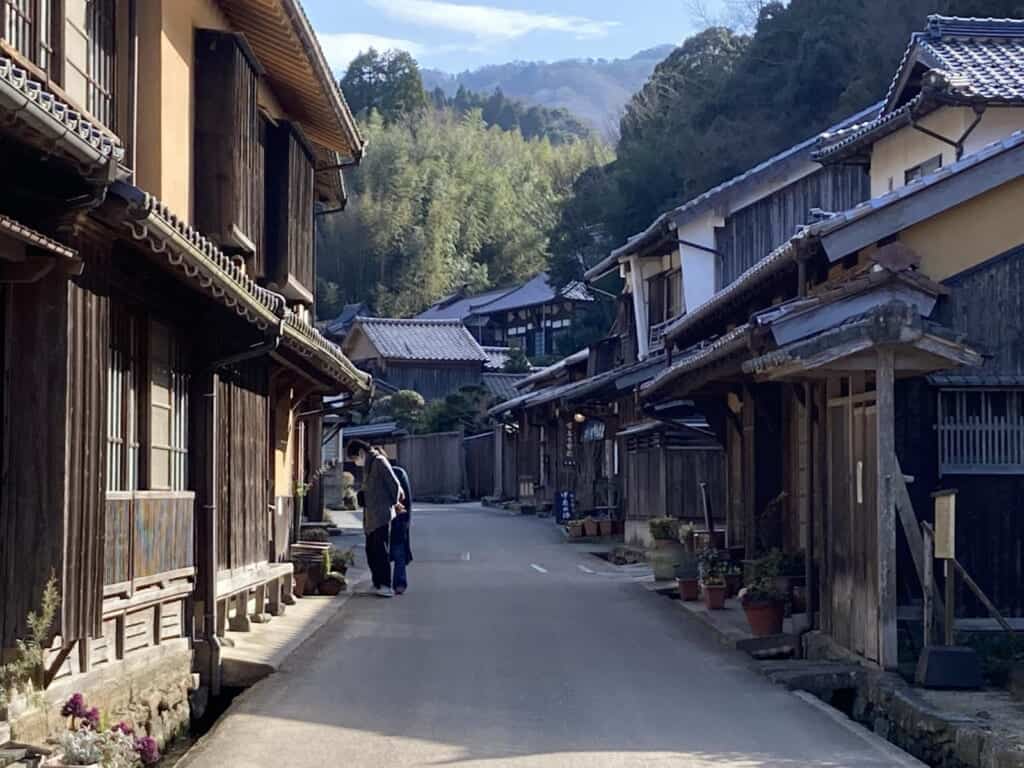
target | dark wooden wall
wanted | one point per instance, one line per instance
(662, 477)
(229, 141)
(987, 305)
(753, 232)
(434, 381)
(85, 508)
(32, 501)
(243, 446)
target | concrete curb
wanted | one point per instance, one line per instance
(886, 749)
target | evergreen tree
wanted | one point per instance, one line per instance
(388, 83)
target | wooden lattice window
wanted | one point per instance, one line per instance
(101, 69)
(981, 431)
(168, 411)
(147, 406)
(123, 379)
(32, 28)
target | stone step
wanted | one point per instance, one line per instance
(772, 647)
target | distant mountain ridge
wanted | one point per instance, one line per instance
(594, 90)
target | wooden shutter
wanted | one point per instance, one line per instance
(229, 162)
(290, 196)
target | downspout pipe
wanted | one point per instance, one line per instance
(212, 482)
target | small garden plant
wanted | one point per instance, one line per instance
(712, 567)
(24, 675)
(664, 528)
(87, 742)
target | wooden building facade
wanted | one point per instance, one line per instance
(147, 350)
(872, 360)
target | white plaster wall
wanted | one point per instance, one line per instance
(699, 267)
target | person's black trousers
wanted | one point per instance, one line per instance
(377, 556)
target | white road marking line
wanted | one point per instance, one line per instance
(465, 556)
(538, 569)
(585, 569)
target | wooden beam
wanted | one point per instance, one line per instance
(920, 551)
(928, 584)
(888, 467)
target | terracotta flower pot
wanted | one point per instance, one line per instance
(332, 587)
(590, 527)
(604, 527)
(765, 618)
(575, 531)
(299, 584)
(689, 589)
(714, 596)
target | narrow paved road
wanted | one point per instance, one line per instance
(513, 649)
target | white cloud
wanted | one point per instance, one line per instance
(486, 22)
(341, 48)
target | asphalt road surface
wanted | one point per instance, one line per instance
(513, 649)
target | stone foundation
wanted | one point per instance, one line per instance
(149, 690)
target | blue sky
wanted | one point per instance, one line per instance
(454, 35)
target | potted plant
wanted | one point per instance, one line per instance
(605, 526)
(590, 527)
(333, 584)
(688, 578)
(712, 579)
(764, 605)
(575, 528)
(666, 552)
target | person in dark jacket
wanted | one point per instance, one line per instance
(380, 497)
(401, 548)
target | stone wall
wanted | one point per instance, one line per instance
(150, 690)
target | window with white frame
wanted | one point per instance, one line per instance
(981, 431)
(147, 407)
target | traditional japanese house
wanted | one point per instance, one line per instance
(162, 164)
(536, 316)
(433, 357)
(873, 359)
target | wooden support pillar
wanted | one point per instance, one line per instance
(287, 587)
(260, 614)
(240, 621)
(275, 606)
(888, 656)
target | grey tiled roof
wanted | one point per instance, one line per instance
(456, 308)
(969, 61)
(784, 256)
(64, 117)
(502, 385)
(537, 290)
(659, 227)
(29, 236)
(421, 340)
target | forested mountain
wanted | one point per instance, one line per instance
(557, 125)
(460, 192)
(723, 101)
(594, 90)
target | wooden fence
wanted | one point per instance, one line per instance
(435, 464)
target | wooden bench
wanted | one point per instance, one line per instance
(270, 583)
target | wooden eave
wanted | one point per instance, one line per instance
(310, 344)
(297, 71)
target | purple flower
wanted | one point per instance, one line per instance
(91, 718)
(74, 707)
(147, 750)
(124, 728)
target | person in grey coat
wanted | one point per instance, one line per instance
(380, 495)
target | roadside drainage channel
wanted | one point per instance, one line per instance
(199, 727)
(889, 707)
